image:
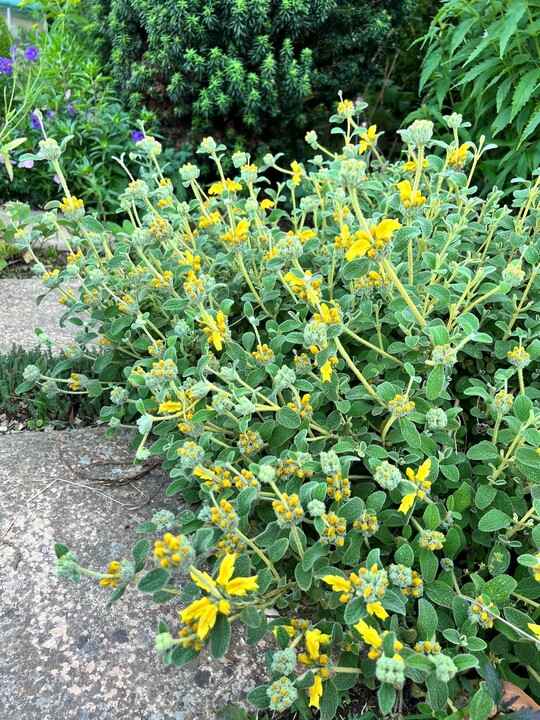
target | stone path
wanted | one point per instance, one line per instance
(19, 314)
(62, 657)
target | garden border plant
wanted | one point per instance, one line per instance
(341, 373)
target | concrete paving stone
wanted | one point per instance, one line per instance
(62, 656)
(19, 314)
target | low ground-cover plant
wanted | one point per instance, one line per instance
(38, 409)
(482, 61)
(341, 373)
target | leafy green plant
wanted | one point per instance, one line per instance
(341, 373)
(261, 68)
(76, 100)
(6, 41)
(482, 60)
(37, 408)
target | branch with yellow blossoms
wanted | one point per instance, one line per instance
(339, 372)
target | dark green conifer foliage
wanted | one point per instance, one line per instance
(255, 66)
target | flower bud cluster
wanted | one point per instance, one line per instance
(387, 476)
(367, 524)
(282, 694)
(431, 540)
(436, 419)
(174, 553)
(288, 510)
(190, 455)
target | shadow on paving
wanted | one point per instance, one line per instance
(62, 656)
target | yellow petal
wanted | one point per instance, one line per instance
(377, 609)
(423, 470)
(216, 189)
(313, 640)
(338, 583)
(267, 204)
(226, 569)
(203, 580)
(369, 635)
(242, 227)
(407, 503)
(535, 629)
(207, 621)
(404, 187)
(224, 607)
(386, 228)
(304, 659)
(216, 339)
(293, 279)
(358, 249)
(326, 371)
(195, 610)
(315, 692)
(170, 407)
(202, 473)
(241, 585)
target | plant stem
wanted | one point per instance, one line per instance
(404, 294)
(259, 552)
(357, 372)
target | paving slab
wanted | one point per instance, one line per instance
(62, 656)
(19, 314)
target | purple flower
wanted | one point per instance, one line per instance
(68, 94)
(25, 164)
(49, 114)
(31, 53)
(137, 135)
(71, 109)
(13, 51)
(6, 66)
(35, 121)
(56, 179)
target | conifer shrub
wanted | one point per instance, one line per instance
(257, 67)
(340, 372)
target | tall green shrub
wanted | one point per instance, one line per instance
(483, 61)
(6, 40)
(251, 65)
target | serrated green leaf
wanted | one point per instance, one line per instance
(524, 90)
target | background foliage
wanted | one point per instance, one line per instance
(483, 61)
(243, 64)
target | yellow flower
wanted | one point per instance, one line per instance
(296, 173)
(377, 609)
(314, 638)
(326, 371)
(114, 571)
(379, 236)
(368, 634)
(406, 195)
(206, 609)
(420, 480)
(345, 107)
(216, 329)
(338, 583)
(407, 503)
(315, 692)
(412, 165)
(368, 139)
(266, 204)
(71, 204)
(229, 185)
(457, 157)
